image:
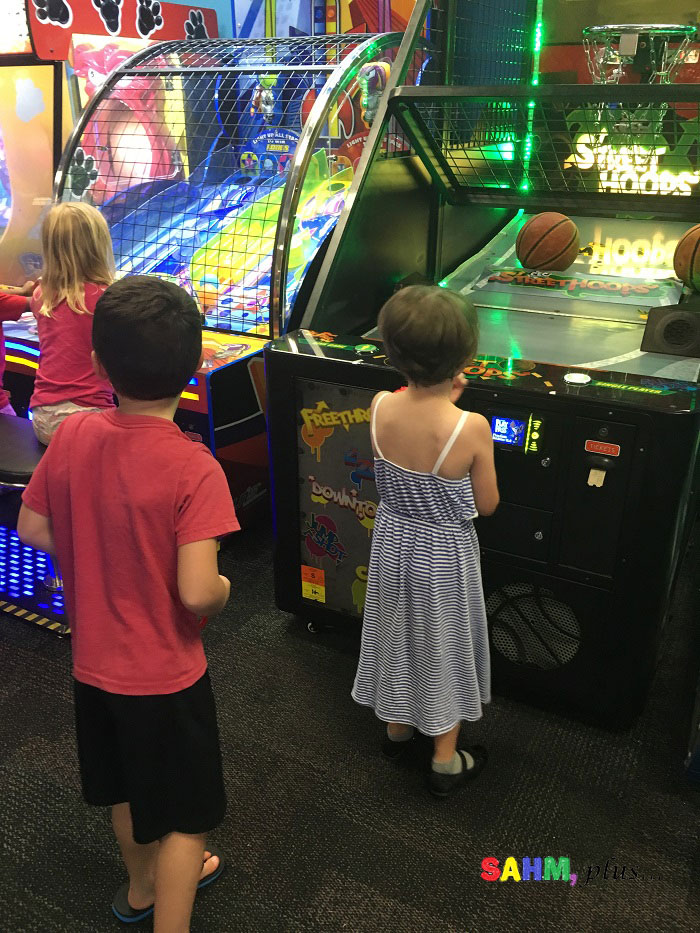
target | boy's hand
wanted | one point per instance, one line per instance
(459, 384)
(201, 587)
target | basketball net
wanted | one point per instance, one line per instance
(635, 54)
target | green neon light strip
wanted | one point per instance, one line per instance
(535, 80)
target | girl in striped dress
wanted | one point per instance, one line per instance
(424, 662)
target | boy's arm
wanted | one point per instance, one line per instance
(34, 525)
(204, 513)
(203, 591)
(12, 306)
(35, 530)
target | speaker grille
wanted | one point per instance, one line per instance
(530, 626)
(679, 332)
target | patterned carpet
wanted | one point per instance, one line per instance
(323, 834)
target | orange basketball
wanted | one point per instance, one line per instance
(548, 242)
(686, 259)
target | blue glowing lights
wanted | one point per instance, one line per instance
(22, 574)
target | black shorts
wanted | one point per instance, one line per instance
(158, 753)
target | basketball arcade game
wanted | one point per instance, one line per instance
(596, 445)
(194, 148)
(34, 120)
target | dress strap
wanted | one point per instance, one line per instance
(373, 431)
(450, 443)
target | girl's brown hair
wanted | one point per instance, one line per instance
(77, 249)
(429, 333)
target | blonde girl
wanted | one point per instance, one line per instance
(78, 267)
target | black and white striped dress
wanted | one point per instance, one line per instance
(424, 658)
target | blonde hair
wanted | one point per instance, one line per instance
(77, 249)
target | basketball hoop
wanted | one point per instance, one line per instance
(654, 52)
(646, 53)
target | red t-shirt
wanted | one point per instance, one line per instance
(65, 371)
(12, 307)
(123, 492)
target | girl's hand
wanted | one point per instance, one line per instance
(459, 384)
(26, 290)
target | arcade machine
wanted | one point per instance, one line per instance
(37, 75)
(195, 152)
(216, 164)
(34, 120)
(587, 374)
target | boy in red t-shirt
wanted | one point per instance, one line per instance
(13, 304)
(132, 509)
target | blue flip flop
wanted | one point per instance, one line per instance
(215, 875)
(122, 909)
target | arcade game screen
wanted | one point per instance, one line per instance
(508, 431)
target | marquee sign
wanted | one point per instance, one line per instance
(643, 151)
(631, 169)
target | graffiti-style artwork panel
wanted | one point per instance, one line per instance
(337, 494)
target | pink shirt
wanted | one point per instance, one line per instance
(12, 307)
(123, 492)
(65, 371)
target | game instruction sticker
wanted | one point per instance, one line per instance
(269, 152)
(313, 583)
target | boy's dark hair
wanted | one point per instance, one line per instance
(429, 333)
(147, 334)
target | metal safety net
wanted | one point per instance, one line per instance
(188, 148)
(630, 146)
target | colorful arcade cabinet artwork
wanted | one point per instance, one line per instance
(256, 18)
(588, 375)
(51, 61)
(37, 109)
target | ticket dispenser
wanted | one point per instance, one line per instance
(598, 486)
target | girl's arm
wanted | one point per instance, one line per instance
(483, 471)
